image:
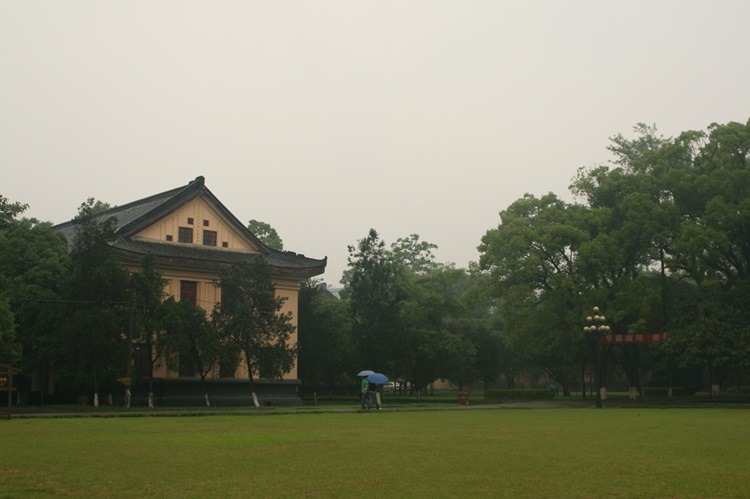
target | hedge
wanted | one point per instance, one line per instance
(538, 394)
(661, 391)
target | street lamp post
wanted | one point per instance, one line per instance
(594, 328)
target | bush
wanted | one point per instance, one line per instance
(661, 391)
(501, 395)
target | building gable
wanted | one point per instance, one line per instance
(207, 226)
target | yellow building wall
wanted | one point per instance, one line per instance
(208, 294)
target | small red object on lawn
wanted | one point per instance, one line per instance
(463, 398)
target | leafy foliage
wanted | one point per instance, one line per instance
(89, 349)
(326, 353)
(266, 234)
(248, 318)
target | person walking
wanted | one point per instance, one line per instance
(372, 396)
(363, 391)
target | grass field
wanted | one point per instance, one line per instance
(490, 452)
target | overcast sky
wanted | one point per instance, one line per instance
(328, 118)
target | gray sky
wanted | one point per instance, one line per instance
(327, 118)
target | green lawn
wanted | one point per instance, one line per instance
(488, 452)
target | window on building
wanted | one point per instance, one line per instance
(209, 238)
(186, 235)
(189, 292)
(190, 221)
(225, 244)
(205, 223)
(169, 237)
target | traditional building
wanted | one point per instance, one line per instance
(192, 236)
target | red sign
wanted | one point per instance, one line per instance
(626, 339)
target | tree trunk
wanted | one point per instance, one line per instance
(96, 391)
(632, 393)
(583, 380)
(205, 390)
(250, 377)
(151, 392)
(129, 355)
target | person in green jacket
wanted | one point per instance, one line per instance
(363, 391)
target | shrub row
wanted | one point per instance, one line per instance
(499, 395)
(661, 391)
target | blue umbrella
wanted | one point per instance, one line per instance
(377, 378)
(365, 373)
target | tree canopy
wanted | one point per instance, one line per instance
(266, 234)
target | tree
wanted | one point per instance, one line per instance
(326, 353)
(89, 348)
(266, 234)
(249, 318)
(414, 254)
(187, 332)
(9, 212)
(374, 289)
(10, 348)
(146, 296)
(531, 262)
(33, 262)
(684, 210)
(98, 206)
(436, 345)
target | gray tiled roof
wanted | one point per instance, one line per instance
(139, 214)
(284, 262)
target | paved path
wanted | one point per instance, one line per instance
(36, 412)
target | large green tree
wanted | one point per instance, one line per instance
(326, 354)
(90, 350)
(668, 214)
(189, 337)
(266, 234)
(374, 289)
(145, 321)
(436, 345)
(532, 263)
(249, 318)
(33, 262)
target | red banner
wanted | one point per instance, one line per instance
(627, 339)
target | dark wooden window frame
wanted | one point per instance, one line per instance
(209, 237)
(185, 235)
(189, 292)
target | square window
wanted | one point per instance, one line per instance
(224, 244)
(190, 221)
(209, 238)
(205, 223)
(169, 237)
(186, 235)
